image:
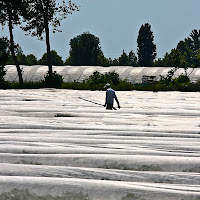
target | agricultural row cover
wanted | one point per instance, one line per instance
(54, 145)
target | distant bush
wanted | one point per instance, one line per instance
(26, 85)
(97, 81)
(180, 83)
(75, 86)
(98, 78)
(53, 80)
(124, 86)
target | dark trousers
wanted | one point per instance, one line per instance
(109, 106)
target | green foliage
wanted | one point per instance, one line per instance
(103, 61)
(11, 12)
(26, 85)
(186, 54)
(175, 59)
(55, 59)
(31, 60)
(177, 84)
(4, 50)
(98, 78)
(146, 48)
(124, 59)
(132, 59)
(115, 62)
(168, 78)
(2, 74)
(112, 78)
(182, 79)
(85, 50)
(123, 85)
(194, 40)
(52, 80)
(81, 86)
(41, 14)
(180, 83)
(21, 59)
(4, 53)
(158, 62)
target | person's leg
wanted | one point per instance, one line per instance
(109, 107)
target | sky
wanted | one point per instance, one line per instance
(116, 23)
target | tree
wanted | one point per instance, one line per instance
(21, 58)
(195, 39)
(4, 54)
(43, 13)
(158, 62)
(186, 54)
(96, 78)
(132, 58)
(112, 77)
(146, 48)
(10, 13)
(185, 49)
(175, 59)
(190, 47)
(55, 59)
(115, 62)
(31, 59)
(105, 62)
(124, 59)
(85, 50)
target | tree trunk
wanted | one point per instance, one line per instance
(12, 49)
(47, 39)
(48, 50)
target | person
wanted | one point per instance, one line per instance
(110, 96)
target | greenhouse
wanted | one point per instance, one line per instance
(79, 74)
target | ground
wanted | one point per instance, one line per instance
(55, 145)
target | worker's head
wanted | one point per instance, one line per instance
(107, 85)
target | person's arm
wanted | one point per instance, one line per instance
(117, 101)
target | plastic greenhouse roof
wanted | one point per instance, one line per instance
(80, 73)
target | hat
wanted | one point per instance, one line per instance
(107, 85)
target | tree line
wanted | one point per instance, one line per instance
(35, 17)
(85, 49)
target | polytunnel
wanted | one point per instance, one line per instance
(133, 75)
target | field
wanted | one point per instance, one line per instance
(54, 145)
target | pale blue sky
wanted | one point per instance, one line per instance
(117, 22)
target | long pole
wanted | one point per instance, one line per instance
(94, 102)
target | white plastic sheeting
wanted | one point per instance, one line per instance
(52, 143)
(81, 73)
